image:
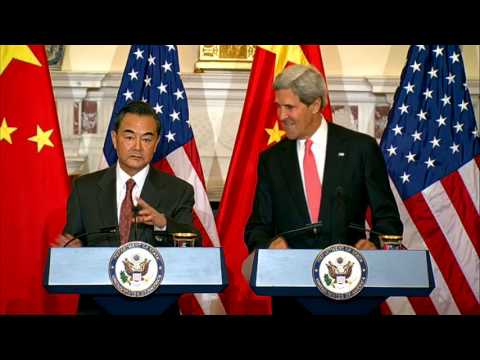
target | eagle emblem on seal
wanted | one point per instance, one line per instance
(136, 270)
(339, 272)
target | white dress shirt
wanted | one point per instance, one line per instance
(122, 178)
(139, 178)
(319, 149)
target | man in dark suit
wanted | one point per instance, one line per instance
(165, 202)
(107, 198)
(321, 172)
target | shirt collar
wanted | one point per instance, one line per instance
(139, 177)
(317, 135)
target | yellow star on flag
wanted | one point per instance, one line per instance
(285, 54)
(19, 52)
(6, 131)
(42, 138)
(275, 134)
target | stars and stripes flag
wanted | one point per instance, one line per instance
(431, 147)
(152, 75)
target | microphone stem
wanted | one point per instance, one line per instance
(135, 226)
(105, 230)
(136, 209)
(301, 229)
(69, 241)
(357, 227)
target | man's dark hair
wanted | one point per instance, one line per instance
(138, 108)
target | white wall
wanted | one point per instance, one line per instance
(339, 60)
(361, 80)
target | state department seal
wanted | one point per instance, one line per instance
(340, 272)
(136, 269)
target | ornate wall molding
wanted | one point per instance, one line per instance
(85, 102)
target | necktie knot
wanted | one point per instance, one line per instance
(308, 144)
(130, 184)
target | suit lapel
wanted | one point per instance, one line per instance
(107, 199)
(334, 165)
(153, 192)
(291, 174)
(153, 189)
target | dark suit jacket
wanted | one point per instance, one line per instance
(92, 205)
(351, 183)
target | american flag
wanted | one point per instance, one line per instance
(431, 146)
(152, 75)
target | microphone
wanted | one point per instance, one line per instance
(103, 230)
(302, 229)
(386, 242)
(136, 210)
(360, 228)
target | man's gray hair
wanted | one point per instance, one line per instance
(305, 81)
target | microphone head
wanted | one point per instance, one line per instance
(109, 229)
(136, 210)
(339, 191)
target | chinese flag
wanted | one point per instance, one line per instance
(34, 184)
(259, 128)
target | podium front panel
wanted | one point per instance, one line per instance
(390, 273)
(85, 270)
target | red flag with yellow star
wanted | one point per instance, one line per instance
(259, 128)
(34, 184)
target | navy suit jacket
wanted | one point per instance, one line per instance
(355, 178)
